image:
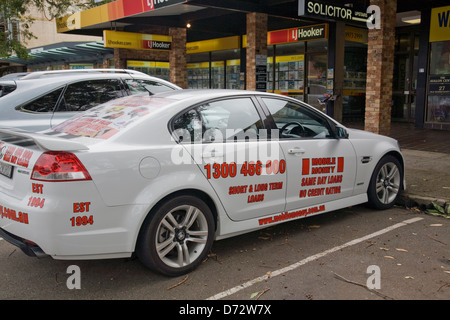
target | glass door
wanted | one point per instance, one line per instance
(404, 87)
(405, 76)
(316, 78)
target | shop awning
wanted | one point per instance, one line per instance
(64, 52)
(209, 19)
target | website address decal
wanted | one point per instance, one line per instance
(292, 215)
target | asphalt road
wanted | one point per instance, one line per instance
(401, 254)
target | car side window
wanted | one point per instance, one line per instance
(137, 86)
(295, 121)
(230, 119)
(45, 103)
(84, 95)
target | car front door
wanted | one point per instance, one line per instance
(320, 168)
(226, 139)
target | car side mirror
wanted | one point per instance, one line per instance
(341, 133)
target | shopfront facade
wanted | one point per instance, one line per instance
(317, 50)
(438, 92)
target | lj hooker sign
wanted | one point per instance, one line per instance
(137, 41)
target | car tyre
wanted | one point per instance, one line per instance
(385, 183)
(177, 236)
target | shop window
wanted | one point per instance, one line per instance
(153, 68)
(439, 83)
(355, 74)
(198, 75)
(217, 74)
(286, 76)
(235, 78)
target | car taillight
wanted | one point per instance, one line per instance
(59, 166)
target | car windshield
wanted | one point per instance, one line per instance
(7, 87)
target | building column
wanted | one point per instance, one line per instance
(256, 45)
(119, 61)
(380, 69)
(177, 57)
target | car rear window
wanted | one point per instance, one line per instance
(7, 87)
(106, 120)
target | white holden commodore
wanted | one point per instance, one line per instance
(164, 176)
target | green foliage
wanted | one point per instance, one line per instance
(438, 210)
(16, 10)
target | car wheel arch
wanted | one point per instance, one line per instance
(207, 199)
(392, 158)
(400, 159)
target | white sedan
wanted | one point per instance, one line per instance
(164, 176)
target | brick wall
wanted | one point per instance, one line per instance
(380, 69)
(256, 44)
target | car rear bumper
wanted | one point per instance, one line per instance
(29, 248)
(73, 223)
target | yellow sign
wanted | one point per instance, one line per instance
(68, 23)
(440, 24)
(147, 64)
(199, 65)
(213, 45)
(137, 41)
(356, 34)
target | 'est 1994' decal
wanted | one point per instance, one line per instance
(81, 207)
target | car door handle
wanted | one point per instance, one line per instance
(212, 154)
(296, 150)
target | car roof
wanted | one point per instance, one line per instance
(74, 72)
(205, 94)
(41, 80)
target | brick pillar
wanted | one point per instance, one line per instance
(256, 44)
(177, 57)
(119, 61)
(380, 69)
